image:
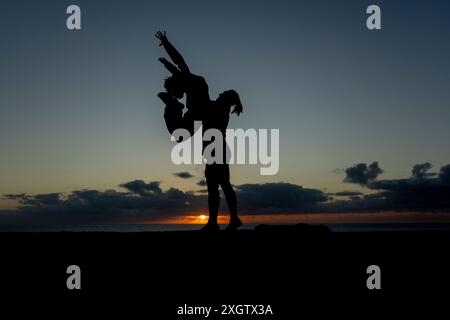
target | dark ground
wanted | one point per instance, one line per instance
(295, 270)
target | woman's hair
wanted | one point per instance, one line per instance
(234, 100)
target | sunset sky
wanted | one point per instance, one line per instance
(79, 111)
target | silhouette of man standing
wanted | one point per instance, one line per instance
(217, 117)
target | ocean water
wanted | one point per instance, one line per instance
(347, 227)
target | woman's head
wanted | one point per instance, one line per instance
(231, 98)
(174, 86)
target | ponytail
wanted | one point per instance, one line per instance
(238, 109)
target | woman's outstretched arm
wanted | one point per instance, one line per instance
(169, 66)
(176, 57)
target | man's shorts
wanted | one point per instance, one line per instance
(217, 173)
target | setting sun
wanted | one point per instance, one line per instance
(202, 217)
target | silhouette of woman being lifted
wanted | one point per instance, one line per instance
(213, 114)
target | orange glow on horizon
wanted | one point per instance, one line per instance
(314, 218)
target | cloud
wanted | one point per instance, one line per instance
(40, 199)
(420, 171)
(444, 174)
(278, 197)
(347, 193)
(140, 200)
(362, 174)
(420, 192)
(145, 201)
(423, 191)
(183, 175)
(414, 194)
(142, 188)
(202, 183)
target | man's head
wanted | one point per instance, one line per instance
(231, 98)
(174, 86)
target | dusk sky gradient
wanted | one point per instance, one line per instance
(78, 109)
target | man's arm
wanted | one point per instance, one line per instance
(176, 57)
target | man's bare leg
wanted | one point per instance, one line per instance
(230, 196)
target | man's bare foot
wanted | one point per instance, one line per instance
(210, 227)
(235, 223)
